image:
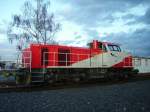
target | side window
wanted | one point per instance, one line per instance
(100, 46)
(110, 47)
(103, 47)
(114, 48)
(119, 49)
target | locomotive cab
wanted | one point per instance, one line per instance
(113, 56)
(104, 46)
(116, 55)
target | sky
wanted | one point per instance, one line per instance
(126, 22)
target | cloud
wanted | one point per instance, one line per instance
(2, 28)
(136, 42)
(121, 21)
(90, 12)
(138, 19)
(146, 18)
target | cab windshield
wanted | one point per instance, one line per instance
(114, 48)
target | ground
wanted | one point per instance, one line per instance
(126, 97)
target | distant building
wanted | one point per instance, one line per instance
(2, 65)
(7, 65)
(142, 64)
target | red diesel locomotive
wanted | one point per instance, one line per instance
(58, 62)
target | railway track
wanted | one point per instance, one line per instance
(11, 87)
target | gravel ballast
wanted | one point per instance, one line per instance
(127, 97)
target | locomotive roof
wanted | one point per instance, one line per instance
(110, 43)
(57, 45)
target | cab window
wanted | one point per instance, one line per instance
(114, 48)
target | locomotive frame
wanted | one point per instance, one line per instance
(50, 63)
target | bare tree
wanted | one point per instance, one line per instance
(35, 24)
